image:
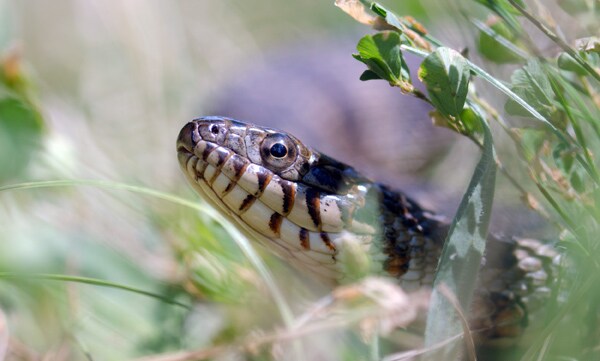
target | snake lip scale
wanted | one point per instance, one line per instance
(306, 207)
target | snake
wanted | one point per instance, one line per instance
(308, 208)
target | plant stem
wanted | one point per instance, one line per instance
(549, 33)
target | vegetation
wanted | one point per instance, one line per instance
(558, 91)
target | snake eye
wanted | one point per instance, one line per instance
(278, 151)
(214, 129)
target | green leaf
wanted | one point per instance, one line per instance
(501, 6)
(390, 18)
(462, 253)
(21, 125)
(503, 88)
(505, 10)
(497, 43)
(531, 141)
(577, 181)
(401, 24)
(21, 132)
(564, 157)
(446, 75)
(369, 75)
(381, 53)
(567, 63)
(471, 121)
(574, 7)
(531, 84)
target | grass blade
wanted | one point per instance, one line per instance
(462, 253)
(241, 241)
(89, 281)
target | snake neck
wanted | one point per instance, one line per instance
(408, 239)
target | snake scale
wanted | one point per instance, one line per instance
(306, 206)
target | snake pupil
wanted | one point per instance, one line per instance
(278, 150)
(214, 129)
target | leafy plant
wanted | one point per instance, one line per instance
(560, 92)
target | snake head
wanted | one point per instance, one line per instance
(277, 151)
(296, 201)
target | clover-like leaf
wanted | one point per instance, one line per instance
(446, 74)
(382, 55)
(532, 85)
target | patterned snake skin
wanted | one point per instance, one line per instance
(306, 206)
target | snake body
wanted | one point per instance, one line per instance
(308, 207)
